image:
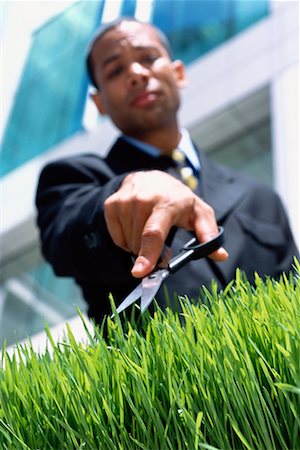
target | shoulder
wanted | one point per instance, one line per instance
(225, 174)
(80, 161)
(229, 191)
(85, 164)
(80, 168)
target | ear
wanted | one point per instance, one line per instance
(98, 102)
(179, 72)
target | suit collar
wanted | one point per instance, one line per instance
(125, 157)
(185, 145)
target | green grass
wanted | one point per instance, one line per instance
(223, 375)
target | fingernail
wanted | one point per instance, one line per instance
(223, 253)
(138, 269)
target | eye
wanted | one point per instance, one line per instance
(115, 71)
(148, 58)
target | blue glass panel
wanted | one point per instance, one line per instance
(63, 290)
(50, 100)
(195, 27)
(53, 300)
(128, 8)
(248, 12)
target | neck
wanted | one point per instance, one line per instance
(164, 140)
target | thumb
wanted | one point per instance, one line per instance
(151, 248)
(142, 267)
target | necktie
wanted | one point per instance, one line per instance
(185, 171)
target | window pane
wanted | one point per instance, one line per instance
(51, 96)
(195, 27)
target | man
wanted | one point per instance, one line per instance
(96, 214)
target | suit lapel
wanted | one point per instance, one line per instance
(220, 188)
(223, 191)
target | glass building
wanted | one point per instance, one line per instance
(230, 115)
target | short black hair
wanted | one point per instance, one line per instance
(110, 26)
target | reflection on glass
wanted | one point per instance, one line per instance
(34, 299)
(195, 27)
(52, 93)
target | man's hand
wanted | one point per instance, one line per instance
(140, 214)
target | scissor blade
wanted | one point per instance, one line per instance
(150, 286)
(131, 298)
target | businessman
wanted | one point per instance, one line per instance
(105, 221)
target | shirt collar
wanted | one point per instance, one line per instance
(185, 145)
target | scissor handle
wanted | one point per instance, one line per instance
(194, 250)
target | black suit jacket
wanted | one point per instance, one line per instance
(76, 242)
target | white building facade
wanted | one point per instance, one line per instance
(241, 106)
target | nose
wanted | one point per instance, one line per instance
(138, 74)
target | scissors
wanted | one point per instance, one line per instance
(150, 284)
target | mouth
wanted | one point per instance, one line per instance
(145, 98)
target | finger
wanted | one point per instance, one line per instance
(206, 228)
(151, 248)
(219, 255)
(114, 224)
(208, 234)
(125, 219)
(138, 224)
(152, 243)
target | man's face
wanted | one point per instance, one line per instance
(138, 82)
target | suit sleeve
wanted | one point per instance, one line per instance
(73, 232)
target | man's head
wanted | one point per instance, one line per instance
(137, 82)
(109, 26)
